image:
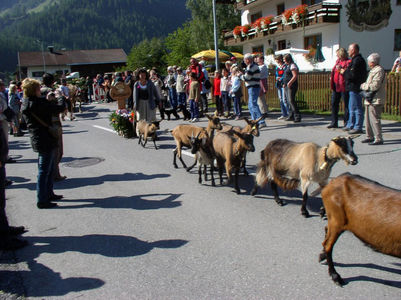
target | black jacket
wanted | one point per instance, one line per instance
(42, 141)
(355, 74)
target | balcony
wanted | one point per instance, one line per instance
(242, 3)
(317, 14)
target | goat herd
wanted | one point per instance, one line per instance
(369, 210)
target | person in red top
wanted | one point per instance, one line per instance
(337, 84)
(217, 94)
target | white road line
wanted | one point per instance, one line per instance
(104, 128)
(187, 153)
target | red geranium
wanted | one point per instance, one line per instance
(257, 24)
(267, 20)
(245, 29)
(237, 30)
(302, 10)
(288, 13)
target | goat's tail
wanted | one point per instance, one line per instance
(261, 171)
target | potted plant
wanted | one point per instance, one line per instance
(299, 13)
(266, 21)
(310, 56)
(257, 25)
(237, 31)
(245, 30)
(286, 16)
(122, 121)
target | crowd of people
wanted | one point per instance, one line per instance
(38, 106)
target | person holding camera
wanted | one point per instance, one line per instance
(44, 138)
(374, 95)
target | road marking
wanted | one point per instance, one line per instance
(104, 128)
(187, 153)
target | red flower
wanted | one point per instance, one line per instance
(237, 30)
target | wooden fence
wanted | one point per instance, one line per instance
(314, 93)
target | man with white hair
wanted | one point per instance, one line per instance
(374, 105)
(252, 82)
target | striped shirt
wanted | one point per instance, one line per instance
(252, 76)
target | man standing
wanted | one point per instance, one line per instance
(204, 91)
(354, 76)
(264, 73)
(252, 83)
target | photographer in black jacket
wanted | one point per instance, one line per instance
(354, 76)
(38, 112)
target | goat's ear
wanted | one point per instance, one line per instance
(337, 138)
(209, 117)
(247, 121)
(354, 136)
(197, 136)
(237, 134)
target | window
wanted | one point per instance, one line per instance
(397, 39)
(281, 45)
(313, 41)
(257, 49)
(280, 8)
(256, 16)
(311, 2)
(38, 74)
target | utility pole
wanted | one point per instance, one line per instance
(216, 46)
(43, 57)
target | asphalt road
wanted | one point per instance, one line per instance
(133, 227)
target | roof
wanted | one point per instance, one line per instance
(72, 57)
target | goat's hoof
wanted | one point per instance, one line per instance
(200, 181)
(305, 213)
(175, 166)
(337, 279)
(213, 184)
(280, 202)
(238, 191)
(322, 256)
(253, 192)
(322, 212)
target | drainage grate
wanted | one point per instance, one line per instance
(84, 162)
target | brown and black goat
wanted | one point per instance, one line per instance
(182, 136)
(146, 130)
(368, 209)
(288, 164)
(204, 154)
(229, 148)
(252, 127)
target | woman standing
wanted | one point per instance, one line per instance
(14, 104)
(236, 91)
(217, 94)
(146, 97)
(290, 83)
(337, 83)
(280, 89)
(374, 106)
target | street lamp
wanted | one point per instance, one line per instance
(216, 47)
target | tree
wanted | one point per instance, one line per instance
(180, 46)
(147, 54)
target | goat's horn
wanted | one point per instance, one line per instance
(257, 121)
(198, 134)
(354, 136)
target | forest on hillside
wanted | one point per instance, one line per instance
(89, 24)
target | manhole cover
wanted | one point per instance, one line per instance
(84, 162)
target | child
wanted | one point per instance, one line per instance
(217, 94)
(236, 91)
(194, 98)
(224, 89)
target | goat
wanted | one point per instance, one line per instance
(252, 126)
(368, 209)
(288, 164)
(204, 154)
(183, 133)
(146, 130)
(229, 148)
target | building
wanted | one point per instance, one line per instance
(325, 26)
(86, 62)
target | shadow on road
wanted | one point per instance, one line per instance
(41, 281)
(392, 283)
(138, 202)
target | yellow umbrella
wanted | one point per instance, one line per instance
(210, 55)
(238, 55)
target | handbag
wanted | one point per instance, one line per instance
(9, 113)
(368, 95)
(207, 84)
(53, 130)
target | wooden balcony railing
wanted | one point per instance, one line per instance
(317, 14)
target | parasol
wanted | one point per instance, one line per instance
(210, 55)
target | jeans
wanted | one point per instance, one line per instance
(237, 106)
(193, 106)
(290, 94)
(226, 101)
(355, 120)
(335, 104)
(182, 99)
(283, 102)
(44, 186)
(172, 93)
(204, 102)
(253, 106)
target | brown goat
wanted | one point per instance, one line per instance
(146, 130)
(204, 155)
(252, 127)
(182, 136)
(229, 149)
(288, 164)
(368, 209)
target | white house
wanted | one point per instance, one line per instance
(375, 25)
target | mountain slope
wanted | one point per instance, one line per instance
(90, 24)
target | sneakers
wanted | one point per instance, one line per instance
(194, 120)
(375, 143)
(332, 126)
(281, 118)
(46, 205)
(368, 140)
(237, 118)
(55, 197)
(355, 131)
